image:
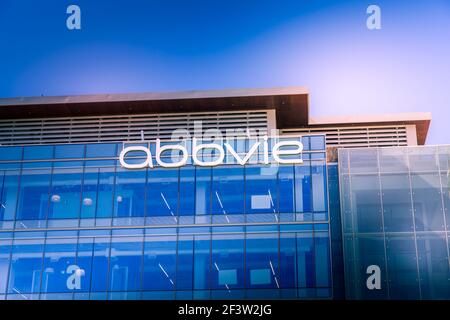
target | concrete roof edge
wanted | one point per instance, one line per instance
(173, 95)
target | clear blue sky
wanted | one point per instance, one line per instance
(145, 45)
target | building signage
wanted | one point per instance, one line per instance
(283, 152)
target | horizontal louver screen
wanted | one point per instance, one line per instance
(124, 127)
(374, 136)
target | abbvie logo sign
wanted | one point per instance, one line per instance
(283, 152)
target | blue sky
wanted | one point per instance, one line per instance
(144, 45)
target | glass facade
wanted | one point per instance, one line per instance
(395, 215)
(74, 224)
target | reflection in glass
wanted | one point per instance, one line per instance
(26, 266)
(34, 194)
(228, 190)
(130, 193)
(65, 194)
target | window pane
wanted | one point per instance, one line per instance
(100, 150)
(227, 262)
(286, 184)
(305, 260)
(396, 202)
(100, 264)
(125, 264)
(445, 181)
(130, 193)
(433, 267)
(402, 268)
(187, 191)
(288, 260)
(34, 194)
(322, 259)
(366, 203)
(228, 190)
(69, 151)
(303, 190)
(162, 192)
(203, 191)
(319, 188)
(428, 211)
(262, 261)
(369, 251)
(5, 249)
(159, 263)
(261, 189)
(8, 195)
(84, 262)
(26, 264)
(185, 263)
(11, 153)
(423, 159)
(202, 262)
(65, 193)
(105, 192)
(38, 152)
(59, 262)
(363, 160)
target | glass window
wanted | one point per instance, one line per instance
(393, 160)
(433, 266)
(8, 194)
(160, 255)
(288, 260)
(363, 160)
(34, 194)
(261, 189)
(185, 263)
(286, 185)
(187, 191)
(65, 193)
(402, 267)
(38, 152)
(69, 151)
(261, 258)
(303, 190)
(445, 181)
(130, 193)
(125, 263)
(202, 262)
(366, 203)
(203, 191)
(5, 250)
(99, 267)
(11, 153)
(319, 182)
(101, 150)
(428, 211)
(26, 265)
(83, 269)
(369, 251)
(305, 260)
(322, 259)
(423, 159)
(397, 207)
(162, 192)
(59, 266)
(228, 190)
(317, 142)
(227, 262)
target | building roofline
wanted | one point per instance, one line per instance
(170, 95)
(291, 104)
(421, 120)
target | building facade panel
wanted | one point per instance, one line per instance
(393, 204)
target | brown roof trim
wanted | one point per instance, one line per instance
(290, 103)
